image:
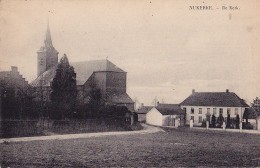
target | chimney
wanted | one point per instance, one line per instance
(193, 91)
(14, 68)
(227, 91)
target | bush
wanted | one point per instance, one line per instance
(203, 124)
(247, 126)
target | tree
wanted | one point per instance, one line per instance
(213, 121)
(256, 106)
(220, 120)
(16, 101)
(237, 121)
(64, 90)
(228, 121)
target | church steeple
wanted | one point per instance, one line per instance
(48, 42)
(47, 55)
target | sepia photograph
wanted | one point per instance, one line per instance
(129, 83)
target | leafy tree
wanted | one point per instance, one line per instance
(64, 90)
(213, 121)
(228, 121)
(246, 115)
(16, 101)
(256, 105)
(237, 121)
(220, 120)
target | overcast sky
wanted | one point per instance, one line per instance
(167, 49)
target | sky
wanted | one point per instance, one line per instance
(166, 48)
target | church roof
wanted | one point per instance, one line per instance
(120, 98)
(83, 71)
(217, 99)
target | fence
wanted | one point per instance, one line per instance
(17, 128)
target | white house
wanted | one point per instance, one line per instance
(142, 111)
(198, 104)
(165, 115)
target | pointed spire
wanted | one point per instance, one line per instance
(48, 42)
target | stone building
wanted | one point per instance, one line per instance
(96, 74)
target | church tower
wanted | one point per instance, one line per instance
(47, 55)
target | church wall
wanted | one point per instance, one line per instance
(116, 82)
(99, 82)
(41, 63)
(51, 58)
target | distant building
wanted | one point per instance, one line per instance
(142, 111)
(13, 78)
(100, 75)
(165, 115)
(199, 104)
(11, 83)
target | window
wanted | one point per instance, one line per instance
(214, 111)
(192, 118)
(221, 111)
(184, 109)
(200, 110)
(236, 111)
(208, 110)
(192, 110)
(200, 119)
(228, 111)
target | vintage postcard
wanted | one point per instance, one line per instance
(130, 83)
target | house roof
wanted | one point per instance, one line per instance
(169, 109)
(217, 99)
(83, 71)
(144, 109)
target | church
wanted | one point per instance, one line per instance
(98, 74)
